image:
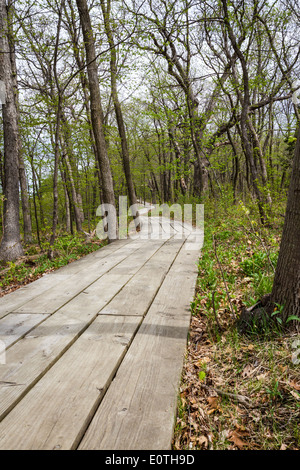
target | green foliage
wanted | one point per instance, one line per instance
(238, 258)
(258, 262)
(202, 375)
(67, 248)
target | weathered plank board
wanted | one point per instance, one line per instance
(96, 296)
(31, 357)
(139, 407)
(55, 297)
(164, 255)
(16, 325)
(102, 371)
(77, 265)
(138, 294)
(88, 304)
(139, 257)
(56, 412)
(14, 300)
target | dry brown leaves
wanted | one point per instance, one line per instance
(251, 407)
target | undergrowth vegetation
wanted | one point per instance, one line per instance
(238, 391)
(36, 262)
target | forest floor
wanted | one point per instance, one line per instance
(36, 263)
(237, 391)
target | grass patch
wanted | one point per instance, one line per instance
(35, 263)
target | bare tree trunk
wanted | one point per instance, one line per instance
(286, 286)
(37, 192)
(57, 135)
(106, 10)
(55, 173)
(10, 247)
(235, 170)
(67, 157)
(96, 110)
(25, 201)
(34, 193)
(262, 162)
(67, 202)
(22, 172)
(245, 102)
(74, 36)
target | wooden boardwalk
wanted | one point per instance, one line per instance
(94, 351)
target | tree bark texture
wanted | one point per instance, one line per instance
(10, 247)
(286, 287)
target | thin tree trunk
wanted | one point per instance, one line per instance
(57, 134)
(106, 10)
(245, 102)
(67, 203)
(97, 113)
(22, 173)
(264, 175)
(34, 193)
(10, 247)
(73, 32)
(75, 199)
(55, 173)
(39, 194)
(235, 171)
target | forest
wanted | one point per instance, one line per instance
(164, 101)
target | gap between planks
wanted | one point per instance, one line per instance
(16, 299)
(138, 410)
(34, 365)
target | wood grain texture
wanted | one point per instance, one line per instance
(56, 412)
(16, 299)
(139, 408)
(31, 357)
(95, 350)
(57, 296)
(35, 290)
(16, 325)
(138, 294)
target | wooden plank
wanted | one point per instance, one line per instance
(96, 296)
(54, 298)
(56, 376)
(138, 258)
(29, 359)
(30, 353)
(56, 412)
(153, 228)
(139, 407)
(16, 325)
(142, 276)
(77, 265)
(14, 300)
(137, 295)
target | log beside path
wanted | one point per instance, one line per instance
(94, 351)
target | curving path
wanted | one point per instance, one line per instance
(94, 351)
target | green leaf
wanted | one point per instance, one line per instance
(202, 375)
(293, 317)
